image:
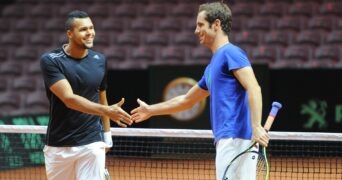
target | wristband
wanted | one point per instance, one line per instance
(108, 139)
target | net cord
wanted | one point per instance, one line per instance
(182, 133)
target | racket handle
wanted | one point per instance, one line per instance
(273, 113)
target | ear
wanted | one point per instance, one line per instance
(69, 34)
(217, 24)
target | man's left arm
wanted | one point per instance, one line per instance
(247, 79)
(106, 121)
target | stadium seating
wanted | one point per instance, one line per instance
(297, 53)
(200, 54)
(24, 53)
(11, 69)
(102, 40)
(263, 24)
(40, 11)
(334, 38)
(54, 25)
(3, 55)
(13, 39)
(9, 102)
(124, 11)
(143, 53)
(156, 39)
(14, 11)
(272, 9)
(155, 10)
(34, 70)
(170, 24)
(27, 25)
(264, 54)
(324, 23)
(5, 25)
(42, 39)
(303, 9)
(244, 9)
(309, 38)
(98, 10)
(128, 38)
(278, 38)
(24, 84)
(114, 53)
(184, 10)
(172, 53)
(142, 25)
(112, 25)
(135, 34)
(36, 102)
(331, 8)
(185, 39)
(327, 53)
(289, 23)
(3, 85)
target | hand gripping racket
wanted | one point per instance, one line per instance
(262, 169)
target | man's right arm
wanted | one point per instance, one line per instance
(174, 105)
(64, 92)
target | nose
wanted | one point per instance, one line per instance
(196, 31)
(90, 31)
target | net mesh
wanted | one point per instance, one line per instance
(154, 154)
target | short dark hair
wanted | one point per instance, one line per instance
(72, 15)
(218, 10)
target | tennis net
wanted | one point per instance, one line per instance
(175, 154)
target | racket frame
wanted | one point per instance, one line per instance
(262, 151)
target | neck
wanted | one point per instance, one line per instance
(220, 40)
(75, 52)
(219, 44)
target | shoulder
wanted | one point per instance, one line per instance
(52, 55)
(234, 49)
(55, 53)
(235, 57)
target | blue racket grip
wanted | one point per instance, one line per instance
(275, 108)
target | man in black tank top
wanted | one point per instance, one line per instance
(79, 128)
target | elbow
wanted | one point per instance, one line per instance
(255, 90)
(258, 89)
(69, 102)
(188, 104)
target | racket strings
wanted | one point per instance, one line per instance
(262, 168)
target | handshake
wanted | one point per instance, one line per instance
(122, 118)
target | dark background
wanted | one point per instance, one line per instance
(294, 88)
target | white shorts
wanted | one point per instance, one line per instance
(226, 150)
(75, 163)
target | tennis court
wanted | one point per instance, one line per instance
(145, 169)
(154, 154)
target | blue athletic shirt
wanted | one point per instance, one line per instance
(229, 110)
(87, 76)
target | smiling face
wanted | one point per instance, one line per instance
(82, 33)
(205, 31)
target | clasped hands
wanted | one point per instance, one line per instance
(122, 118)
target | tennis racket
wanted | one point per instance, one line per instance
(107, 176)
(262, 169)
